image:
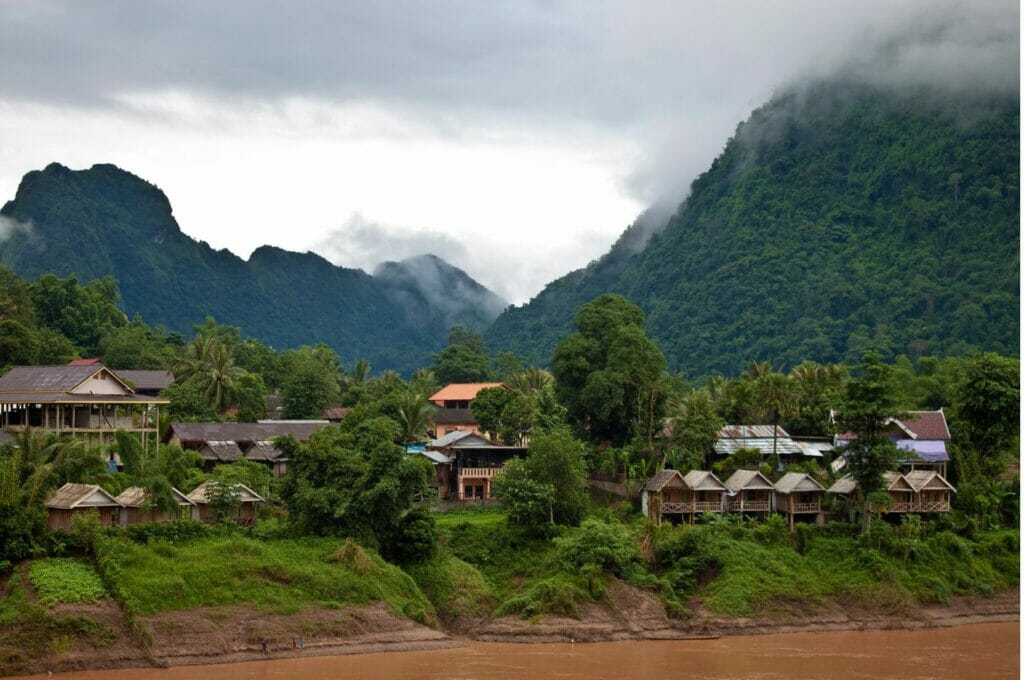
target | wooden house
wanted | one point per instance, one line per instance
(147, 382)
(672, 494)
(86, 401)
(75, 499)
(134, 501)
(916, 491)
(247, 501)
(749, 491)
(797, 493)
(921, 436)
(193, 436)
(452, 408)
(932, 493)
(268, 454)
(217, 452)
(473, 461)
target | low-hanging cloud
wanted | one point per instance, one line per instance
(363, 244)
(11, 228)
(671, 80)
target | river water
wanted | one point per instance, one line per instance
(974, 652)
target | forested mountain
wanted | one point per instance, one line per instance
(839, 217)
(105, 221)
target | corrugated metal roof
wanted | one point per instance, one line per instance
(264, 452)
(748, 479)
(462, 391)
(918, 425)
(48, 378)
(223, 452)
(784, 445)
(69, 398)
(147, 380)
(245, 432)
(437, 457)
(461, 438)
(749, 431)
(795, 482)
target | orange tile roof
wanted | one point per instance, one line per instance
(462, 391)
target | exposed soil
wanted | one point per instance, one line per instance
(231, 634)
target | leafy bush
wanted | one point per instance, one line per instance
(59, 580)
(178, 531)
(415, 538)
(559, 594)
(609, 547)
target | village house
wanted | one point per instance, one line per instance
(732, 438)
(670, 493)
(134, 501)
(466, 462)
(149, 383)
(799, 494)
(77, 499)
(452, 410)
(85, 401)
(220, 443)
(245, 513)
(749, 491)
(918, 491)
(922, 435)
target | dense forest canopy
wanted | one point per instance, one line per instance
(107, 222)
(838, 219)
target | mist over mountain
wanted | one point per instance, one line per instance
(842, 216)
(107, 222)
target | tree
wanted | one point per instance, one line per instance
(609, 375)
(778, 398)
(488, 407)
(208, 363)
(870, 399)
(461, 364)
(548, 487)
(415, 415)
(353, 480)
(312, 384)
(986, 407)
(694, 430)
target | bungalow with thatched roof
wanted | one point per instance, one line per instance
(76, 499)
(671, 493)
(135, 501)
(749, 491)
(797, 493)
(246, 501)
(915, 491)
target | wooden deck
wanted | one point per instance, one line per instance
(670, 508)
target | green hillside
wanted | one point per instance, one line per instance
(105, 221)
(838, 218)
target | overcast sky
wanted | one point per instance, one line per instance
(514, 139)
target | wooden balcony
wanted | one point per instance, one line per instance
(478, 473)
(669, 508)
(749, 506)
(802, 507)
(918, 506)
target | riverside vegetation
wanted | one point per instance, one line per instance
(348, 526)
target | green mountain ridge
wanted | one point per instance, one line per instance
(105, 221)
(838, 218)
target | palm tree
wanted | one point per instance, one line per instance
(778, 399)
(208, 361)
(415, 416)
(529, 381)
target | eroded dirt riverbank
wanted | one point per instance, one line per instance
(234, 634)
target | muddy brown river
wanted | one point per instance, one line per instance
(966, 652)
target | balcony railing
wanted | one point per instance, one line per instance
(669, 507)
(803, 507)
(919, 506)
(478, 473)
(749, 506)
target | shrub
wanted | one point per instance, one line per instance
(608, 546)
(178, 531)
(415, 539)
(557, 594)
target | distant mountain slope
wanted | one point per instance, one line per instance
(837, 218)
(105, 221)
